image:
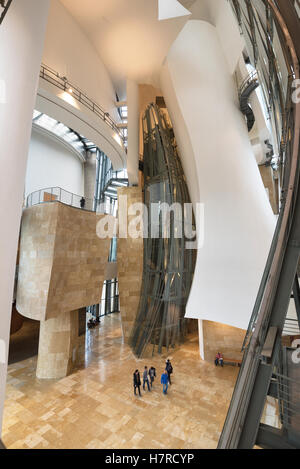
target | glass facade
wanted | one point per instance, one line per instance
(109, 302)
(168, 265)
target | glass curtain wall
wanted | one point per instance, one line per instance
(105, 201)
(168, 265)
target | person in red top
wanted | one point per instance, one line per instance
(219, 359)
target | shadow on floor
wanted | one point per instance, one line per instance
(25, 342)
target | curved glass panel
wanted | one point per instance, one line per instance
(168, 265)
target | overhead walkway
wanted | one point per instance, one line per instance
(267, 369)
(65, 102)
(53, 77)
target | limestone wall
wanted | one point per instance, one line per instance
(130, 267)
(222, 338)
(58, 346)
(62, 261)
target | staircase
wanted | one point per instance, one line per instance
(111, 187)
(248, 86)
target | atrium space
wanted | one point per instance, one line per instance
(150, 225)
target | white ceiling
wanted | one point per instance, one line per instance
(128, 36)
(171, 9)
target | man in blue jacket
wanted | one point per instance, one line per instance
(164, 381)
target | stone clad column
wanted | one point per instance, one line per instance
(130, 264)
(58, 346)
(90, 179)
(21, 45)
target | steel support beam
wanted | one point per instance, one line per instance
(277, 318)
(272, 438)
(291, 19)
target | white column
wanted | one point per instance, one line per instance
(201, 338)
(21, 45)
(238, 221)
(133, 132)
(89, 169)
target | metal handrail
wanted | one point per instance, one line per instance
(53, 77)
(253, 76)
(57, 194)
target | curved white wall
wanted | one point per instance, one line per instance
(239, 223)
(21, 45)
(51, 164)
(68, 51)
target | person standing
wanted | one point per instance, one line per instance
(82, 202)
(152, 374)
(137, 382)
(169, 370)
(164, 381)
(145, 379)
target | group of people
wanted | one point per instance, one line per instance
(93, 322)
(148, 378)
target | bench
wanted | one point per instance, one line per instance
(232, 361)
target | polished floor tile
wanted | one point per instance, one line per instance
(95, 407)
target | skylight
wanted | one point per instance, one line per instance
(78, 142)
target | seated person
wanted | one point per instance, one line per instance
(219, 359)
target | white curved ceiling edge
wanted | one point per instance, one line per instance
(82, 120)
(168, 9)
(56, 138)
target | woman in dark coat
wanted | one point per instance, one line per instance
(136, 381)
(169, 370)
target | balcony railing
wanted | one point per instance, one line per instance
(57, 194)
(53, 77)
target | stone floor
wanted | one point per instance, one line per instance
(25, 342)
(95, 406)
